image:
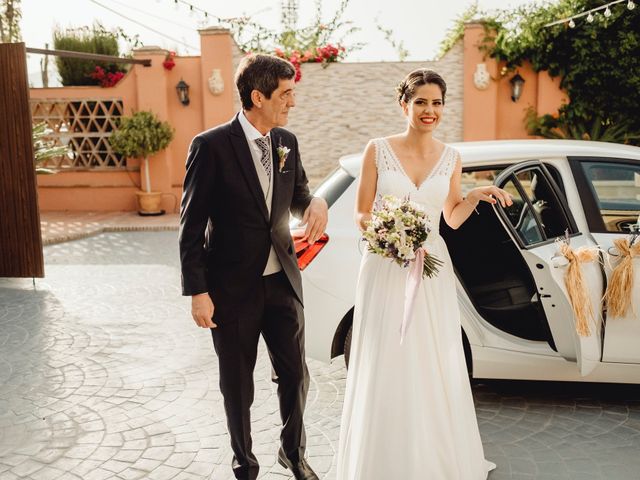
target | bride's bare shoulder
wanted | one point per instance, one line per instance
(394, 138)
(395, 142)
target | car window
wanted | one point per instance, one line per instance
(334, 185)
(616, 188)
(543, 219)
(546, 206)
(521, 216)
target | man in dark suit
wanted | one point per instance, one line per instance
(239, 266)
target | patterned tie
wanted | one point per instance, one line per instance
(264, 144)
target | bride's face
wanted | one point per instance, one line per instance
(424, 110)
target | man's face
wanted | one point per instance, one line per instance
(274, 111)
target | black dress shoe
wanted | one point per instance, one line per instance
(300, 469)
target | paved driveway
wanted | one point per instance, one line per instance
(104, 376)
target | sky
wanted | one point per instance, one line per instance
(419, 24)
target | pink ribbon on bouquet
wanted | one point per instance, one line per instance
(414, 277)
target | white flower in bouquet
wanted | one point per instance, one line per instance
(397, 230)
(406, 252)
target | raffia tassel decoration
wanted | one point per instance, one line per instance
(618, 295)
(576, 286)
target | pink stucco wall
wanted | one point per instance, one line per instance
(487, 114)
(491, 114)
(148, 88)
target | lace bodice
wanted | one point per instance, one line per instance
(393, 180)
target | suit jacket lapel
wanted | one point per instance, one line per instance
(275, 141)
(243, 154)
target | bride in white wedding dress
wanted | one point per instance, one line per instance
(408, 409)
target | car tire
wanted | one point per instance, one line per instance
(347, 346)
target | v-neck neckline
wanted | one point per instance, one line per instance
(401, 167)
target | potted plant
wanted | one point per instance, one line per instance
(140, 136)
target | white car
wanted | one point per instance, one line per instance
(517, 320)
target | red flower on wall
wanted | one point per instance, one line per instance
(328, 53)
(106, 79)
(298, 72)
(169, 63)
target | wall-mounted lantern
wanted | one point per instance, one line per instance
(183, 92)
(517, 83)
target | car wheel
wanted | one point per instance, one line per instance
(347, 346)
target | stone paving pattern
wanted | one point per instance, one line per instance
(103, 375)
(57, 227)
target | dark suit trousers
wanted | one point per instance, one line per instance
(275, 313)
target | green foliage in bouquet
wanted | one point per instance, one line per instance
(397, 229)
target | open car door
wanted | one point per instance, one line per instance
(609, 189)
(538, 216)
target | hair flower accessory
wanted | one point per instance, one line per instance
(283, 153)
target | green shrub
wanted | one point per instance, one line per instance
(598, 64)
(77, 71)
(564, 127)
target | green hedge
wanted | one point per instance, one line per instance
(598, 64)
(75, 71)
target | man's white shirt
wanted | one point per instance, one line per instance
(251, 133)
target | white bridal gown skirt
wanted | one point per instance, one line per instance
(408, 410)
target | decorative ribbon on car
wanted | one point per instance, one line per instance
(414, 279)
(618, 294)
(576, 285)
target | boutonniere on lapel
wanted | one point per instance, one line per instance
(283, 153)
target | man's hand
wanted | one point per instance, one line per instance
(315, 218)
(202, 310)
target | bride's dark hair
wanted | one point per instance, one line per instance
(406, 89)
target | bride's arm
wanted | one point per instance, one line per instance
(458, 208)
(366, 186)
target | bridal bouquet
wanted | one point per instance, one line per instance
(398, 230)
